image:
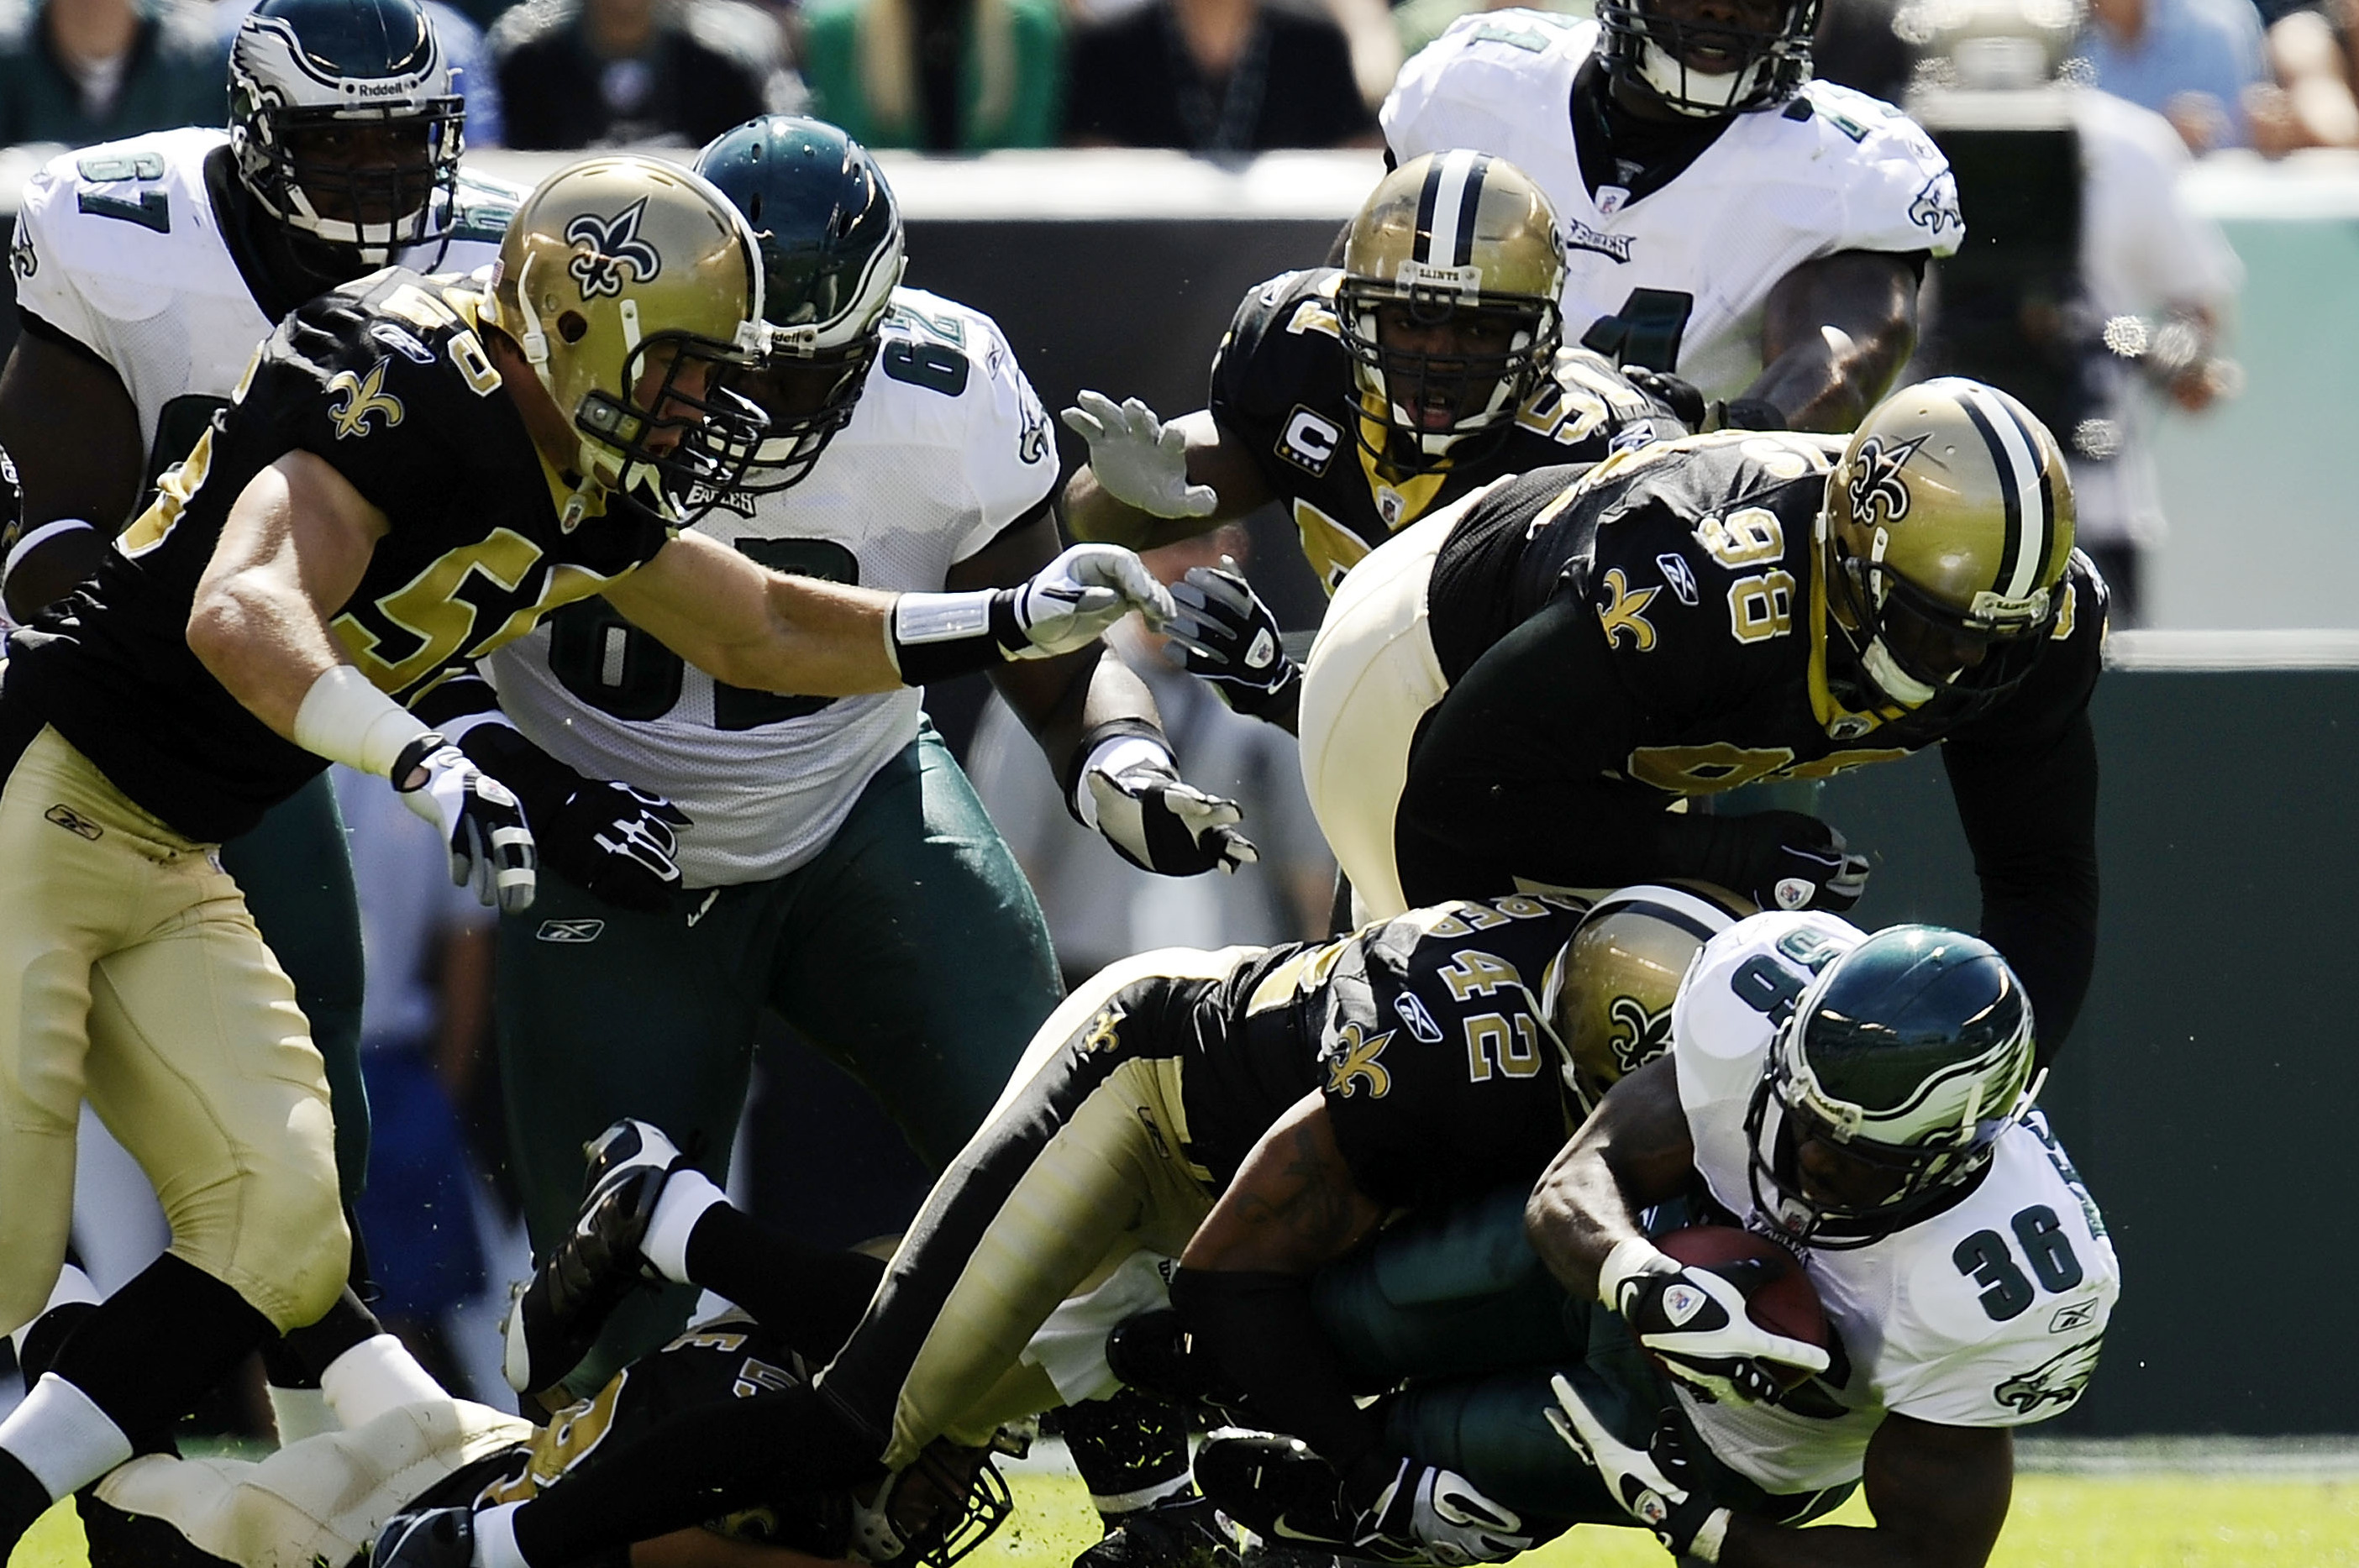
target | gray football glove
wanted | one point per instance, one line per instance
(481, 821)
(1688, 1524)
(1231, 640)
(1162, 825)
(1075, 598)
(1138, 459)
(1444, 1518)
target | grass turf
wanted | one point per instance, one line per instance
(2154, 1522)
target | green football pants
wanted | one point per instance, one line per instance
(295, 871)
(1456, 1302)
(911, 952)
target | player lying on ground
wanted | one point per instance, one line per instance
(414, 473)
(1513, 691)
(1863, 1100)
(1255, 1112)
(396, 1442)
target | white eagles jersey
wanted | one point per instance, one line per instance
(1833, 170)
(1990, 1312)
(947, 447)
(118, 247)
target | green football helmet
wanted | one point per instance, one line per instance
(829, 236)
(1911, 1053)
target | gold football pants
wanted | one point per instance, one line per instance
(131, 975)
(1082, 1163)
(321, 1500)
(1371, 676)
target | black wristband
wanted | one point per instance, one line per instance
(1069, 772)
(944, 659)
(1753, 414)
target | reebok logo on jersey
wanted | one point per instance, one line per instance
(2077, 1315)
(73, 821)
(1580, 236)
(1421, 1023)
(1677, 573)
(401, 342)
(568, 931)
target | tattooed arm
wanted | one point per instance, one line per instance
(1244, 1285)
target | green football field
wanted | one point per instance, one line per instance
(2158, 1520)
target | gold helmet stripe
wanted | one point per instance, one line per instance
(2023, 485)
(1447, 206)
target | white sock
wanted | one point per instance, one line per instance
(495, 1545)
(687, 1195)
(299, 1413)
(63, 1438)
(373, 1377)
(73, 1285)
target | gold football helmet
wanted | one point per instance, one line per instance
(1455, 260)
(1609, 991)
(630, 284)
(1944, 540)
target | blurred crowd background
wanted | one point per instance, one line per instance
(1214, 77)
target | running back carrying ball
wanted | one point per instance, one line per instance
(1779, 1295)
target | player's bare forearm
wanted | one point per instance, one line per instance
(294, 547)
(748, 626)
(73, 431)
(1633, 1152)
(1939, 1495)
(1835, 331)
(1292, 1204)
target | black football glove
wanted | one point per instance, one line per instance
(1785, 860)
(1690, 408)
(1160, 824)
(1647, 1484)
(483, 824)
(1232, 643)
(614, 842)
(1399, 1510)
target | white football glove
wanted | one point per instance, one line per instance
(491, 848)
(1154, 820)
(1696, 1320)
(1075, 598)
(1445, 1517)
(1138, 459)
(1688, 1525)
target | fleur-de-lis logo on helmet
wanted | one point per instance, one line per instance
(362, 396)
(1876, 477)
(1638, 1036)
(603, 246)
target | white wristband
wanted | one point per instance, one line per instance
(347, 720)
(1632, 1256)
(39, 536)
(939, 617)
(1110, 757)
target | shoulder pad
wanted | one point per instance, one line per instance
(1478, 75)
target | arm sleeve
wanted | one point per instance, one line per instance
(2026, 782)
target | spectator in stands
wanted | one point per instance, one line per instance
(2189, 60)
(78, 72)
(940, 75)
(1215, 77)
(2313, 52)
(1098, 907)
(463, 46)
(424, 1027)
(595, 73)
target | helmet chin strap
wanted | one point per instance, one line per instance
(1696, 93)
(1891, 679)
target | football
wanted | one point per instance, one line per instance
(1779, 1295)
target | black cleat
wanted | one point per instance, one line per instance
(554, 1318)
(1185, 1533)
(431, 1538)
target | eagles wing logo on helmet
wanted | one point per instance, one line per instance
(1638, 1036)
(613, 243)
(1877, 478)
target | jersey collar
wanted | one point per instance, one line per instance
(1415, 493)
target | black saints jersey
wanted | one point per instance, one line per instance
(386, 381)
(1655, 628)
(1425, 1034)
(729, 1357)
(1282, 382)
